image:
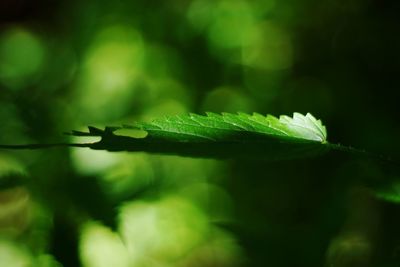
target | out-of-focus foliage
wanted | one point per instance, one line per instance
(68, 64)
(22, 56)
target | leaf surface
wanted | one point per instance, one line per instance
(221, 135)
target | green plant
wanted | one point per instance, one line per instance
(223, 136)
(214, 135)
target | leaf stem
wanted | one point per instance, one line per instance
(41, 146)
(361, 152)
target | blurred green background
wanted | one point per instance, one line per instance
(68, 64)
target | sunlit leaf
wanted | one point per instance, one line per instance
(220, 136)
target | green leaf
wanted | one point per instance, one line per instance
(220, 136)
(216, 127)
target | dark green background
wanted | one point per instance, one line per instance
(68, 64)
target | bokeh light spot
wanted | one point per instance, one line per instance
(271, 51)
(22, 55)
(161, 230)
(101, 247)
(91, 162)
(227, 99)
(12, 255)
(200, 13)
(15, 211)
(167, 107)
(111, 67)
(133, 173)
(232, 25)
